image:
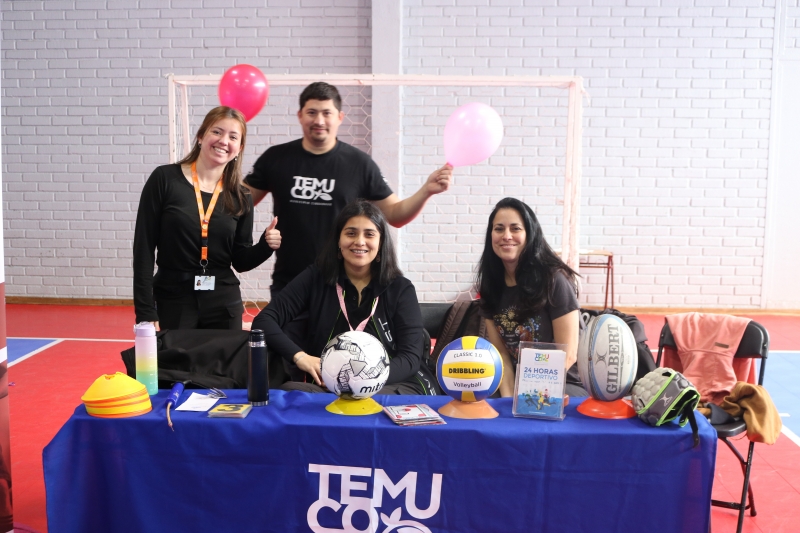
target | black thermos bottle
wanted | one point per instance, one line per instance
(257, 371)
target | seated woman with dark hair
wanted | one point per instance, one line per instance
(527, 292)
(360, 261)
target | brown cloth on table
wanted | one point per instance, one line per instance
(754, 403)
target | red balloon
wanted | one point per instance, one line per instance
(245, 88)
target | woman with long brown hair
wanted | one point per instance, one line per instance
(527, 292)
(198, 216)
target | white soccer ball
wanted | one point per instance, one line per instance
(607, 358)
(355, 365)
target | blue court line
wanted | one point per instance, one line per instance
(782, 381)
(19, 348)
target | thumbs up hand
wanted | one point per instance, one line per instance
(272, 235)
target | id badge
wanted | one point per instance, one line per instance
(204, 283)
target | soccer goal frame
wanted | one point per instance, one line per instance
(573, 84)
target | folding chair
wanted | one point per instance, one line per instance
(754, 344)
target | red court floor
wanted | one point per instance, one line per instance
(47, 387)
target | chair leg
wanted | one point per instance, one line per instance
(747, 501)
(747, 490)
(745, 465)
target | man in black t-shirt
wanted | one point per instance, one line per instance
(313, 178)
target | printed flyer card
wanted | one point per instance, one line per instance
(541, 377)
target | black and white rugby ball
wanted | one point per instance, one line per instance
(607, 358)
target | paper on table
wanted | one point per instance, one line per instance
(197, 402)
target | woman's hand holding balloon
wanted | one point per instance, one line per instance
(272, 235)
(440, 180)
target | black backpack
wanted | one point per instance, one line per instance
(204, 357)
(646, 363)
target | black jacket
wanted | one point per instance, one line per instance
(167, 220)
(397, 321)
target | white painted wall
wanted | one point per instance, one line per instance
(676, 134)
(85, 123)
(782, 254)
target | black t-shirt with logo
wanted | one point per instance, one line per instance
(308, 192)
(513, 327)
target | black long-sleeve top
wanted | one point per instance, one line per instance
(397, 321)
(168, 221)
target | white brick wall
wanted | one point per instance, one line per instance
(791, 38)
(675, 134)
(84, 114)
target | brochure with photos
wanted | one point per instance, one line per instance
(417, 414)
(541, 378)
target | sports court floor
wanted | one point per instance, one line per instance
(55, 353)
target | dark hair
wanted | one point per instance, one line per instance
(538, 264)
(319, 90)
(233, 192)
(330, 264)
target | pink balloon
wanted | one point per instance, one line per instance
(245, 88)
(472, 133)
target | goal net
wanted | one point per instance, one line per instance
(399, 120)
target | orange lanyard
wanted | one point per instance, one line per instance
(204, 215)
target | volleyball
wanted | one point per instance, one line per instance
(470, 369)
(355, 365)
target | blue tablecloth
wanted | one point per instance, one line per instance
(292, 466)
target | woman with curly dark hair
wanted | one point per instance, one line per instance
(527, 292)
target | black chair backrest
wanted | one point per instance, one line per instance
(755, 341)
(433, 315)
(666, 339)
(754, 344)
